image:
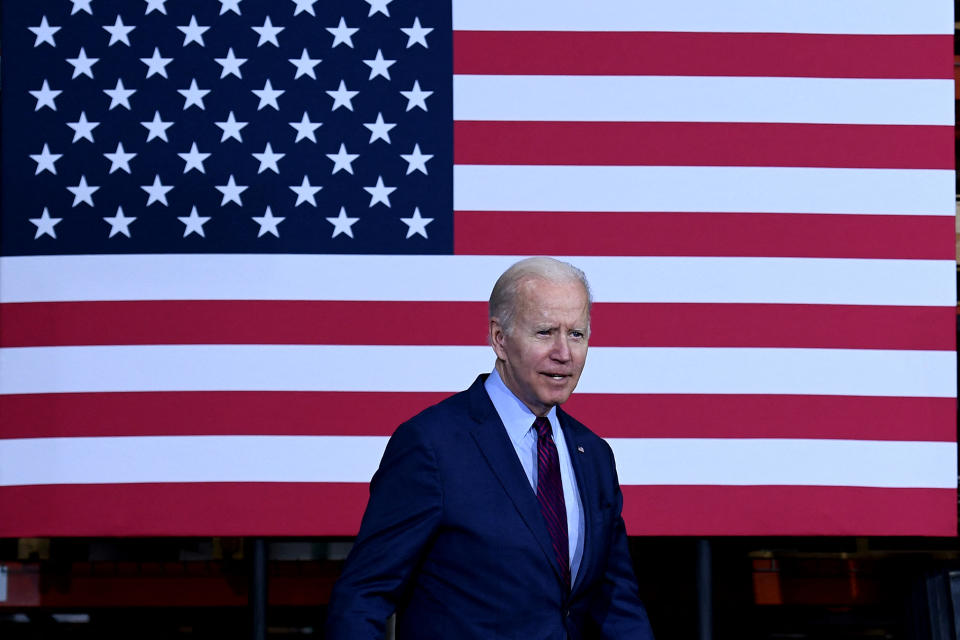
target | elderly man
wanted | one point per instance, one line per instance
(494, 514)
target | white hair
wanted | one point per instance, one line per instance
(504, 297)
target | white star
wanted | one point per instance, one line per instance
(380, 130)
(118, 32)
(231, 191)
(45, 160)
(45, 96)
(342, 224)
(82, 192)
(156, 192)
(231, 64)
(342, 159)
(268, 159)
(157, 128)
(193, 32)
(155, 5)
(119, 223)
(229, 5)
(44, 32)
(342, 34)
(268, 223)
(156, 64)
(379, 192)
(231, 128)
(342, 97)
(193, 159)
(120, 95)
(378, 6)
(305, 65)
(416, 224)
(379, 66)
(45, 224)
(416, 161)
(81, 5)
(194, 223)
(82, 128)
(304, 5)
(82, 65)
(305, 192)
(268, 96)
(305, 128)
(416, 34)
(193, 95)
(416, 97)
(119, 159)
(268, 33)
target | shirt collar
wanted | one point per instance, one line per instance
(515, 415)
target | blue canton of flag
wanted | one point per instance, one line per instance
(227, 126)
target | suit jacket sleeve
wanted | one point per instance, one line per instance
(402, 515)
(616, 608)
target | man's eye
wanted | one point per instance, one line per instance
(577, 334)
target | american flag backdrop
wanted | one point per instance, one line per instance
(242, 240)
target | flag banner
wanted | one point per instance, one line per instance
(243, 240)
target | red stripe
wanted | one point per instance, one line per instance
(703, 144)
(184, 509)
(354, 413)
(788, 510)
(767, 416)
(243, 322)
(447, 323)
(702, 54)
(280, 509)
(774, 325)
(209, 413)
(703, 234)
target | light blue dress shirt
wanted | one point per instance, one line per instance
(518, 420)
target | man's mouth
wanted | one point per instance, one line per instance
(557, 376)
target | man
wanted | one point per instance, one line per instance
(494, 514)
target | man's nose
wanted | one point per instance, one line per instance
(561, 348)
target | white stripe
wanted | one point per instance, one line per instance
(470, 278)
(774, 281)
(854, 372)
(861, 372)
(35, 461)
(703, 99)
(714, 189)
(89, 460)
(792, 16)
(674, 461)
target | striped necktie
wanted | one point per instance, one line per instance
(550, 495)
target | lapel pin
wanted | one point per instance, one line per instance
(580, 449)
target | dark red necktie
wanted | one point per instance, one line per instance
(550, 495)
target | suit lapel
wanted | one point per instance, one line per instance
(581, 465)
(495, 445)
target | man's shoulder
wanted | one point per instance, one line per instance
(451, 414)
(455, 406)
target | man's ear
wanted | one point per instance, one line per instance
(497, 337)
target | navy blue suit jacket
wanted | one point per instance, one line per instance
(453, 539)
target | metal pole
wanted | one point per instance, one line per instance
(257, 553)
(704, 590)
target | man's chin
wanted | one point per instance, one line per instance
(555, 399)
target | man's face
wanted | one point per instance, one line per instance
(540, 361)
